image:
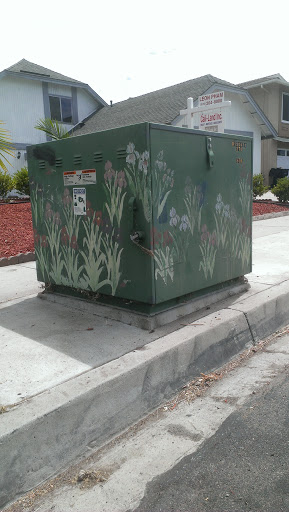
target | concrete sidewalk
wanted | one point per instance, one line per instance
(70, 380)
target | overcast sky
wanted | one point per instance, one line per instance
(126, 48)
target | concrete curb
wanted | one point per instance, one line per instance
(42, 435)
(270, 215)
(19, 258)
(36, 436)
(267, 311)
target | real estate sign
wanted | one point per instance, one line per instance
(211, 99)
(212, 120)
(209, 111)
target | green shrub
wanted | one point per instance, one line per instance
(258, 185)
(6, 183)
(21, 181)
(281, 190)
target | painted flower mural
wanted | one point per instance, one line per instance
(189, 230)
(121, 181)
(109, 172)
(138, 178)
(231, 235)
(36, 237)
(208, 249)
(64, 236)
(98, 218)
(174, 218)
(48, 211)
(92, 261)
(144, 162)
(67, 199)
(163, 185)
(184, 225)
(44, 242)
(114, 185)
(194, 199)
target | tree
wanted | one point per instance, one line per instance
(6, 147)
(52, 128)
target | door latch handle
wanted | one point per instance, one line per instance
(136, 236)
(132, 210)
(210, 151)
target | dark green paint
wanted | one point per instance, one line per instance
(188, 209)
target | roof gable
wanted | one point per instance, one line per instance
(32, 71)
(259, 81)
(161, 106)
(24, 67)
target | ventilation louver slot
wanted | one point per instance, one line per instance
(77, 159)
(58, 162)
(42, 164)
(98, 156)
(121, 153)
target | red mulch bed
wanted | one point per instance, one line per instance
(262, 208)
(16, 232)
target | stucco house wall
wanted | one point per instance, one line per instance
(268, 99)
(21, 105)
(268, 94)
(283, 127)
(24, 100)
(269, 158)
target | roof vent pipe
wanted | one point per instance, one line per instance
(111, 103)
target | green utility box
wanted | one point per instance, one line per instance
(146, 213)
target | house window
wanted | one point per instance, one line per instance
(283, 158)
(285, 107)
(60, 109)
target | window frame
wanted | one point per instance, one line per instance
(60, 97)
(283, 149)
(284, 120)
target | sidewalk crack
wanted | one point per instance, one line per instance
(250, 329)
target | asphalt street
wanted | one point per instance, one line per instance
(243, 467)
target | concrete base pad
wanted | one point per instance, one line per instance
(141, 320)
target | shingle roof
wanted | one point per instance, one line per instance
(265, 79)
(161, 106)
(25, 67)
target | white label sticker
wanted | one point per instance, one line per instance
(83, 177)
(79, 201)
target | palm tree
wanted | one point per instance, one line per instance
(52, 128)
(6, 147)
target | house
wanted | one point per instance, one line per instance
(244, 117)
(29, 92)
(271, 93)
